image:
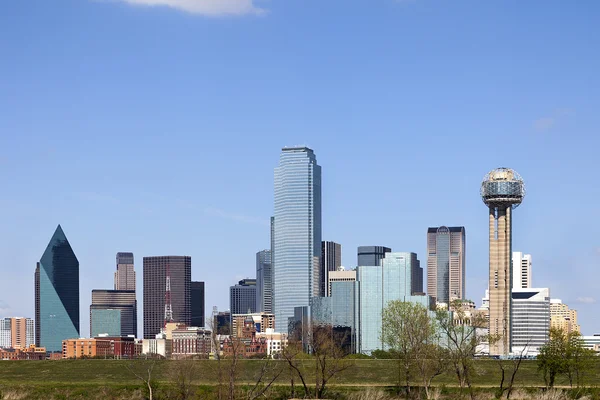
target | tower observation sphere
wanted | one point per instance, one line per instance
(502, 187)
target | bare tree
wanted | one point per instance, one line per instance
(268, 374)
(183, 373)
(327, 345)
(293, 354)
(143, 371)
(510, 367)
(431, 361)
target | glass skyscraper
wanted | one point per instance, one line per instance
(264, 282)
(56, 294)
(297, 233)
(446, 263)
(378, 285)
(371, 255)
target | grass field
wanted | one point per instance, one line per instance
(82, 377)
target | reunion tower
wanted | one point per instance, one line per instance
(502, 190)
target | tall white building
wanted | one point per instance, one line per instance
(521, 270)
(530, 320)
(5, 333)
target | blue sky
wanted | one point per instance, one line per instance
(155, 129)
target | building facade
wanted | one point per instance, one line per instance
(197, 304)
(297, 232)
(530, 320)
(331, 260)
(371, 255)
(191, 342)
(339, 276)
(264, 282)
(155, 278)
(562, 317)
(113, 312)
(262, 322)
(125, 273)
(242, 297)
(56, 294)
(87, 348)
(377, 286)
(17, 332)
(521, 265)
(446, 263)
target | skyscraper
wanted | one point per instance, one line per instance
(264, 282)
(242, 297)
(446, 263)
(197, 299)
(502, 190)
(56, 294)
(331, 260)
(113, 312)
(297, 233)
(521, 269)
(155, 278)
(562, 317)
(371, 255)
(125, 274)
(378, 285)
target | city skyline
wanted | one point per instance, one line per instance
(111, 156)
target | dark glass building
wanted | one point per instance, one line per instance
(197, 293)
(123, 306)
(331, 260)
(371, 255)
(155, 279)
(264, 282)
(242, 297)
(56, 294)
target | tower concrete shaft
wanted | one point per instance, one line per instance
(500, 280)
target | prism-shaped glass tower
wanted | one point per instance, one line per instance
(56, 294)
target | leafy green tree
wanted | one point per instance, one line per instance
(551, 359)
(579, 359)
(408, 331)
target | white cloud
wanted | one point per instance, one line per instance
(548, 122)
(211, 8)
(4, 307)
(216, 212)
(586, 300)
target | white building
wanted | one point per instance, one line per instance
(521, 265)
(530, 320)
(592, 342)
(276, 341)
(160, 347)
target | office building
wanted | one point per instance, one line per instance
(155, 278)
(521, 270)
(562, 317)
(125, 274)
(331, 260)
(113, 312)
(5, 333)
(297, 232)
(17, 332)
(502, 190)
(372, 255)
(191, 342)
(56, 294)
(446, 263)
(340, 275)
(530, 320)
(264, 282)
(222, 322)
(378, 285)
(242, 297)
(197, 304)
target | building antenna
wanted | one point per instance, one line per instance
(168, 306)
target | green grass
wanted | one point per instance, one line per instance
(361, 372)
(81, 379)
